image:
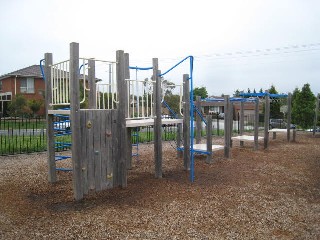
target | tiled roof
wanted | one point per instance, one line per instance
(32, 71)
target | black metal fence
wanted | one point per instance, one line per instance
(22, 135)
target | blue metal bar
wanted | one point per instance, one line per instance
(64, 169)
(191, 60)
(200, 114)
(170, 109)
(140, 68)
(263, 94)
(41, 68)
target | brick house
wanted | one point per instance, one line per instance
(26, 81)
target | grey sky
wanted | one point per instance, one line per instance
(237, 44)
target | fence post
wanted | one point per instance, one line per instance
(289, 116)
(256, 124)
(52, 176)
(75, 120)
(157, 120)
(266, 120)
(209, 138)
(227, 130)
(120, 161)
(198, 120)
(179, 153)
(129, 130)
(241, 120)
(186, 122)
(316, 115)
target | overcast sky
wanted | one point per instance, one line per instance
(237, 44)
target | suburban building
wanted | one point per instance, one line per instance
(26, 81)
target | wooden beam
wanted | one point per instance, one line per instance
(75, 120)
(52, 176)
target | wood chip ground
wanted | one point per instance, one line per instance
(264, 194)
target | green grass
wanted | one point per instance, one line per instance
(22, 124)
(22, 144)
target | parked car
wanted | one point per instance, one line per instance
(62, 126)
(221, 115)
(279, 123)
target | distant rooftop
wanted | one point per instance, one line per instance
(31, 71)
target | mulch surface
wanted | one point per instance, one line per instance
(263, 194)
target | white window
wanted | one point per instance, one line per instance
(27, 85)
(0, 85)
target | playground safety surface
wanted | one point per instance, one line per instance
(264, 194)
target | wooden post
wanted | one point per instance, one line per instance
(256, 124)
(75, 121)
(157, 120)
(120, 161)
(209, 139)
(198, 120)
(266, 120)
(241, 130)
(92, 84)
(52, 176)
(129, 130)
(179, 130)
(186, 122)
(227, 130)
(316, 115)
(289, 116)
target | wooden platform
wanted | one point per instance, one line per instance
(279, 130)
(150, 122)
(202, 148)
(129, 122)
(246, 138)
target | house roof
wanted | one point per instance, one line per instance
(31, 71)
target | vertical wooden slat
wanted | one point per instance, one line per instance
(111, 145)
(75, 120)
(90, 153)
(92, 84)
(186, 122)
(97, 148)
(52, 176)
(115, 149)
(209, 139)
(84, 149)
(266, 120)
(157, 120)
(103, 148)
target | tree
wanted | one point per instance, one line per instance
(236, 93)
(35, 105)
(261, 90)
(173, 101)
(200, 91)
(18, 106)
(275, 104)
(303, 107)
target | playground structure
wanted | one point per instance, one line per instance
(101, 146)
(253, 98)
(101, 133)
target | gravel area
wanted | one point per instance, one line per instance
(264, 194)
